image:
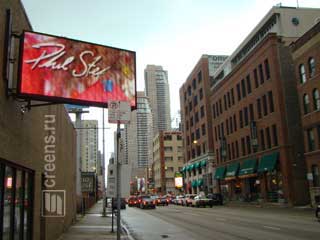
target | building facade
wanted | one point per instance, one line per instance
(258, 141)
(157, 91)
(138, 141)
(167, 160)
(196, 121)
(34, 144)
(306, 56)
(89, 145)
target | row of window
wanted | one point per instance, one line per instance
(243, 89)
(315, 99)
(196, 152)
(196, 136)
(268, 138)
(311, 70)
(195, 117)
(169, 137)
(194, 85)
(195, 101)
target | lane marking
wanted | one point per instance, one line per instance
(273, 228)
(221, 219)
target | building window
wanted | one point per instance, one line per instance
(187, 125)
(315, 175)
(168, 149)
(310, 137)
(267, 69)
(217, 155)
(219, 132)
(251, 111)
(168, 159)
(199, 77)
(233, 154)
(189, 90)
(190, 106)
(248, 144)
(238, 92)
(229, 152)
(220, 106)
(188, 141)
(203, 128)
(261, 74)
(232, 96)
(275, 135)
(195, 100)
(243, 88)
(225, 102)
(202, 111)
(231, 125)
(214, 110)
(198, 150)
(243, 146)
(316, 100)
(188, 155)
(259, 108)
(196, 117)
(192, 137)
(248, 84)
(186, 110)
(204, 148)
(191, 121)
(270, 97)
(227, 126)
(263, 147)
(167, 137)
(235, 122)
(268, 136)
(193, 153)
(237, 148)
(306, 104)
(302, 74)
(185, 96)
(229, 100)
(200, 93)
(222, 130)
(312, 67)
(241, 119)
(194, 84)
(255, 76)
(217, 109)
(246, 117)
(198, 133)
(215, 133)
(264, 103)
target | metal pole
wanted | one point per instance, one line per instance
(118, 183)
(103, 170)
(79, 162)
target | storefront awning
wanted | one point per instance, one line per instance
(183, 169)
(191, 167)
(268, 162)
(232, 170)
(220, 172)
(200, 182)
(203, 163)
(249, 166)
(194, 183)
(197, 165)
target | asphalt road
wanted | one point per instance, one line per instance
(248, 223)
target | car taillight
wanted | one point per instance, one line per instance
(144, 203)
(159, 200)
(167, 200)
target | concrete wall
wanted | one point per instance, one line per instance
(22, 139)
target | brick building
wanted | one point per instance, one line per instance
(306, 56)
(196, 119)
(258, 141)
(37, 152)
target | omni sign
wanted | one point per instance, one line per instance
(56, 69)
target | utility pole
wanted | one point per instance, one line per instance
(103, 170)
(118, 183)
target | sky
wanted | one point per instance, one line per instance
(170, 33)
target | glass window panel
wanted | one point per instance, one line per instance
(18, 206)
(8, 201)
(27, 202)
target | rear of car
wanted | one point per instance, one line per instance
(217, 198)
(132, 201)
(147, 202)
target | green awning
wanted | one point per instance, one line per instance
(232, 170)
(197, 165)
(268, 162)
(194, 183)
(200, 182)
(191, 167)
(249, 166)
(220, 172)
(188, 168)
(203, 163)
(184, 169)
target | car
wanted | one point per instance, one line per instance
(217, 198)
(187, 200)
(201, 201)
(132, 201)
(162, 201)
(145, 201)
(178, 200)
(318, 212)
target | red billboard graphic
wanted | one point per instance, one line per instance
(56, 69)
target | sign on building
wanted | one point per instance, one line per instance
(87, 182)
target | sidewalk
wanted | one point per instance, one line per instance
(93, 226)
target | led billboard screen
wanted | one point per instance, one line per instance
(57, 69)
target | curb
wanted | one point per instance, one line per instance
(126, 231)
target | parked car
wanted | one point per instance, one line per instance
(145, 201)
(187, 200)
(217, 198)
(201, 201)
(178, 200)
(132, 201)
(162, 201)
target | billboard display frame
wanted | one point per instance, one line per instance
(64, 100)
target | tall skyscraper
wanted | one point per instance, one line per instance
(157, 91)
(89, 145)
(138, 138)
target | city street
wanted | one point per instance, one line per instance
(177, 222)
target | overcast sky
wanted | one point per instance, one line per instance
(171, 33)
